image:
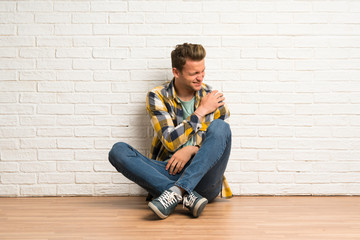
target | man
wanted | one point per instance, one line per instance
(191, 147)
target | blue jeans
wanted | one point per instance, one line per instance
(203, 173)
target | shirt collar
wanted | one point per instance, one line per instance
(172, 93)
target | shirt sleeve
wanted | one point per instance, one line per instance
(171, 136)
(222, 112)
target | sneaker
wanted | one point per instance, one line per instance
(165, 204)
(195, 203)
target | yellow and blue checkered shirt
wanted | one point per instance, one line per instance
(171, 130)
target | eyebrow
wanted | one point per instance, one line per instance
(197, 72)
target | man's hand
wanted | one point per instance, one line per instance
(180, 158)
(210, 103)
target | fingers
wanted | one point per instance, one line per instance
(169, 163)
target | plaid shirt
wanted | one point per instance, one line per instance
(166, 116)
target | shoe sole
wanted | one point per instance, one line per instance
(157, 211)
(199, 207)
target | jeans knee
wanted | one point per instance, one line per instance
(115, 154)
(220, 127)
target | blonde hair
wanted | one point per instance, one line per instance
(195, 52)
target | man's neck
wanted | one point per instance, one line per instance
(182, 93)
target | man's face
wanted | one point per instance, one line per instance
(191, 76)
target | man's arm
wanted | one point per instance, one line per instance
(213, 102)
(172, 137)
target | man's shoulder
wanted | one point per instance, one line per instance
(163, 90)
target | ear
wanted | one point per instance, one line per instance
(176, 72)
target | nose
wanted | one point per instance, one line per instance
(200, 76)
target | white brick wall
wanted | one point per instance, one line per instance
(74, 74)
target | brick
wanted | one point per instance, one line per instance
(74, 98)
(73, 29)
(162, 18)
(205, 18)
(57, 109)
(276, 132)
(112, 190)
(73, 143)
(37, 97)
(82, 120)
(73, 52)
(57, 64)
(172, 41)
(273, 18)
(7, 29)
(18, 155)
(277, 109)
(38, 190)
(144, 6)
(52, 18)
(258, 166)
(110, 29)
(56, 132)
(294, 167)
(9, 167)
(330, 6)
(8, 120)
(18, 41)
(103, 167)
(311, 18)
(91, 41)
(37, 120)
(89, 18)
(125, 41)
(91, 155)
(75, 190)
(38, 143)
(111, 98)
(8, 75)
(93, 64)
(244, 177)
(16, 17)
(67, 6)
(37, 75)
(17, 132)
(17, 64)
(111, 6)
(94, 178)
(36, 167)
(55, 41)
(92, 132)
(74, 75)
(278, 178)
(126, 18)
(112, 121)
(61, 86)
(35, 29)
(74, 166)
(8, 98)
(18, 178)
(56, 178)
(258, 143)
(92, 87)
(311, 155)
(124, 64)
(275, 64)
(35, 6)
(56, 155)
(110, 53)
(7, 6)
(147, 75)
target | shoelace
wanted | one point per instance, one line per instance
(168, 198)
(189, 200)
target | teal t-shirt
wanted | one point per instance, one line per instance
(188, 109)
